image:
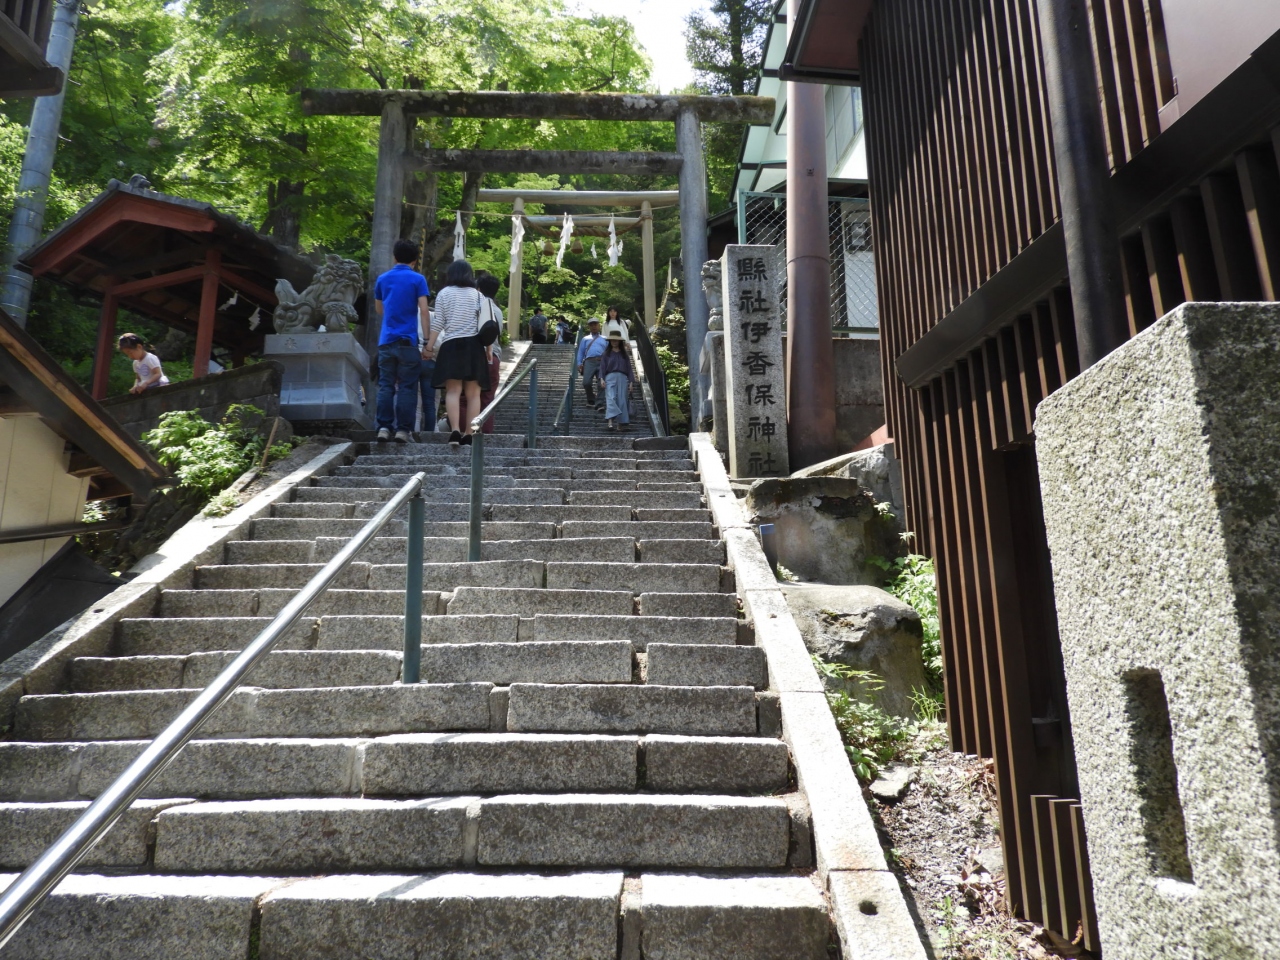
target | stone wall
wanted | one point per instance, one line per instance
(257, 384)
(1160, 475)
(859, 390)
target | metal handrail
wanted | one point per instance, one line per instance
(565, 412)
(654, 373)
(477, 449)
(35, 883)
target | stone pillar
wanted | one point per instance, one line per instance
(388, 196)
(693, 248)
(753, 362)
(650, 282)
(1160, 474)
(323, 373)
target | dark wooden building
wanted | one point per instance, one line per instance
(977, 323)
(24, 35)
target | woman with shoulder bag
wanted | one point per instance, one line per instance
(459, 326)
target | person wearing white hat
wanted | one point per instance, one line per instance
(615, 370)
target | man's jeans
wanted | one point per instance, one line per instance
(428, 396)
(590, 371)
(399, 366)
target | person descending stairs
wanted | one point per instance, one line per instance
(585, 770)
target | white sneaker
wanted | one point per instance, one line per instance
(402, 436)
(384, 435)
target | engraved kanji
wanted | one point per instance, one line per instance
(761, 428)
(755, 330)
(752, 268)
(760, 393)
(757, 363)
(752, 301)
(761, 463)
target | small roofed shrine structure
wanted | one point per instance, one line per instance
(179, 262)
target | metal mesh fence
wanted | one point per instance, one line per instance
(762, 218)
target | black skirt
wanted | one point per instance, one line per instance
(461, 358)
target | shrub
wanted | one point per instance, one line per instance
(913, 581)
(205, 457)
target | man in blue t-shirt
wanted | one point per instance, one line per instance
(590, 351)
(401, 302)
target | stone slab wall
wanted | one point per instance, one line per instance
(1160, 474)
(257, 384)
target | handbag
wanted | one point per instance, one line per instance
(486, 332)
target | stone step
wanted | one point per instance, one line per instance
(234, 576)
(179, 636)
(688, 605)
(525, 574)
(280, 669)
(268, 602)
(704, 665)
(636, 577)
(28, 829)
(306, 528)
(315, 511)
(639, 529)
(649, 499)
(530, 603)
(371, 494)
(620, 549)
(416, 764)
(637, 631)
(681, 551)
(595, 661)
(321, 712)
(668, 515)
(583, 708)
(297, 835)
(504, 512)
(387, 633)
(432, 455)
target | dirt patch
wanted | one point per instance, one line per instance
(944, 844)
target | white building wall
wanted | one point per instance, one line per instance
(35, 491)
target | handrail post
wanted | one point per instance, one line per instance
(413, 592)
(532, 442)
(477, 492)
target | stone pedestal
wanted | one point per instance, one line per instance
(713, 360)
(323, 377)
(756, 394)
(1160, 473)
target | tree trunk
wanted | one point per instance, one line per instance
(439, 244)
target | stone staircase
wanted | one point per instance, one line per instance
(589, 768)
(555, 365)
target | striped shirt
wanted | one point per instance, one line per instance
(455, 313)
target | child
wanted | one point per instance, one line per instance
(615, 368)
(146, 365)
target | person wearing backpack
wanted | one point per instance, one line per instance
(462, 330)
(400, 299)
(538, 326)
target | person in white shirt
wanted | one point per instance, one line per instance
(146, 365)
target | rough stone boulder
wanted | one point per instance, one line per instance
(827, 527)
(867, 629)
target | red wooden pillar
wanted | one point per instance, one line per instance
(208, 314)
(106, 345)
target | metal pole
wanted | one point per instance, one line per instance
(742, 217)
(413, 592)
(693, 248)
(1084, 180)
(32, 194)
(532, 442)
(811, 374)
(22, 896)
(477, 492)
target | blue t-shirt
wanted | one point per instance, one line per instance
(399, 289)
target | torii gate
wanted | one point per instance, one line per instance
(687, 113)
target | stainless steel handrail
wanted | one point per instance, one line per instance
(38, 880)
(477, 449)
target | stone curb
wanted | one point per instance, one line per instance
(870, 911)
(41, 667)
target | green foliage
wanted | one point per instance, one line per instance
(207, 458)
(677, 374)
(222, 504)
(912, 580)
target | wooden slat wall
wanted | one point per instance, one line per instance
(962, 180)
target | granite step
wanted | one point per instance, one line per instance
(374, 494)
(455, 549)
(634, 708)
(320, 712)
(587, 661)
(649, 499)
(639, 529)
(636, 577)
(280, 669)
(268, 602)
(410, 764)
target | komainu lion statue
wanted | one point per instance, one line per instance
(329, 301)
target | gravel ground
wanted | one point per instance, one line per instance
(945, 846)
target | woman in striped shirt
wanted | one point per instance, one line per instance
(461, 361)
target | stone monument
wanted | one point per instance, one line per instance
(325, 366)
(1160, 473)
(756, 398)
(713, 355)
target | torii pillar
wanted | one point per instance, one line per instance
(693, 249)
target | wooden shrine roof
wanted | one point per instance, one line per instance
(150, 247)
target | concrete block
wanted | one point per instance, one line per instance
(599, 661)
(489, 763)
(844, 835)
(530, 603)
(569, 830)
(569, 708)
(702, 665)
(871, 916)
(466, 915)
(298, 835)
(522, 574)
(715, 764)
(681, 551)
(28, 829)
(636, 577)
(708, 604)
(141, 918)
(776, 633)
(638, 631)
(1169, 647)
(764, 918)
(96, 674)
